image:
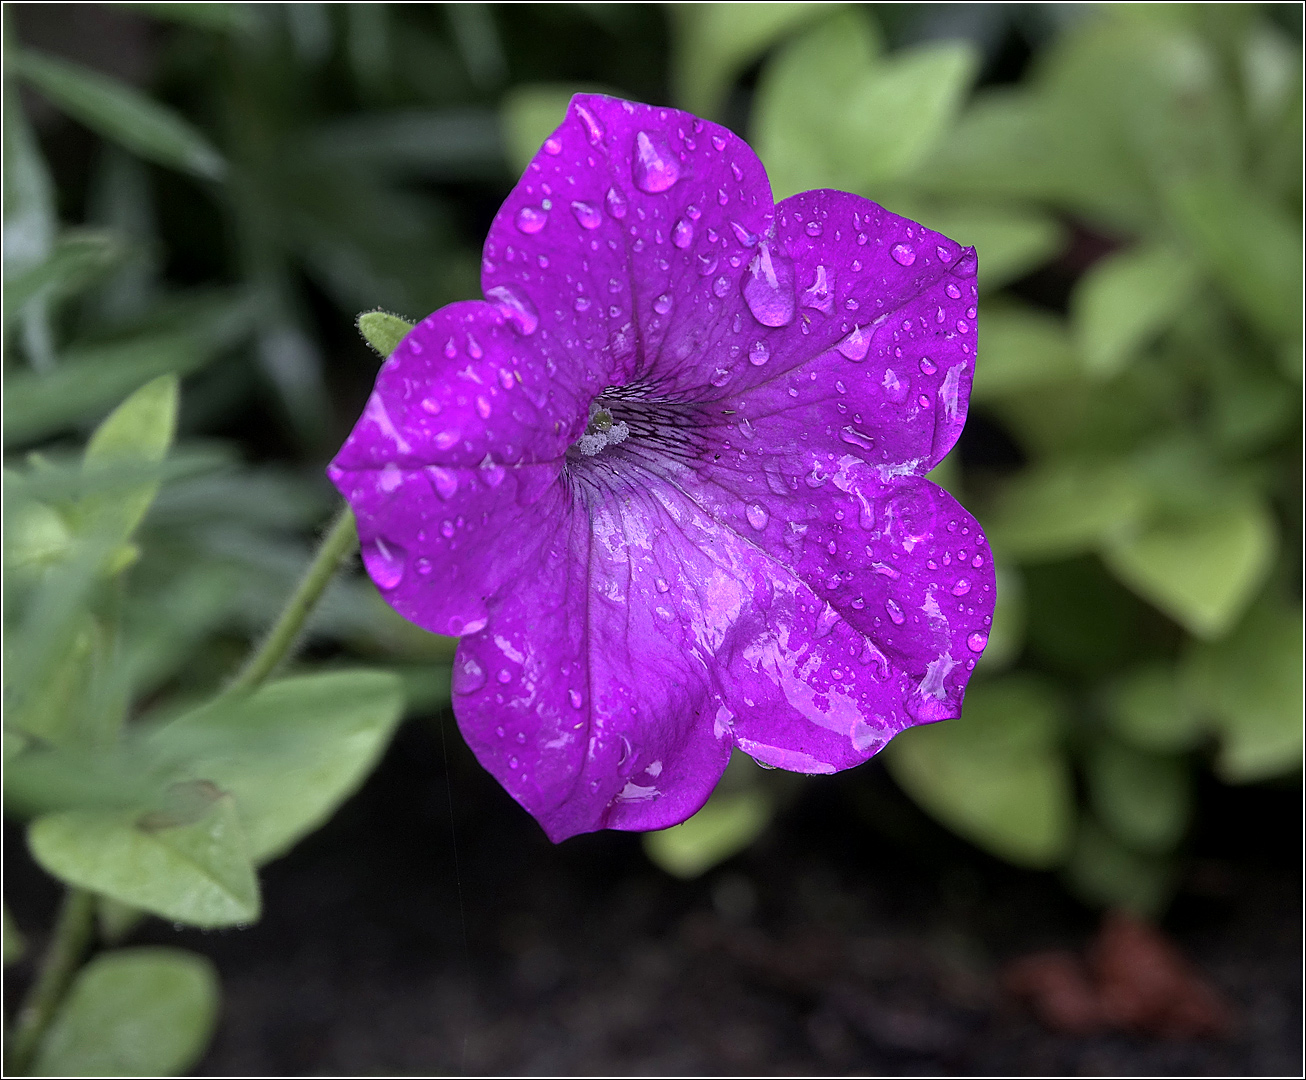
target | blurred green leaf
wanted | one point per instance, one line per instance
(1144, 798)
(76, 261)
(715, 42)
(829, 114)
(14, 947)
(133, 1012)
(120, 113)
(997, 775)
(195, 872)
(115, 921)
(29, 212)
(206, 16)
(1147, 709)
(1250, 246)
(727, 824)
(1104, 872)
(1127, 299)
(1250, 686)
(531, 112)
(141, 430)
(451, 144)
(1202, 570)
(383, 331)
(1063, 508)
(93, 377)
(291, 752)
(1007, 634)
(1020, 348)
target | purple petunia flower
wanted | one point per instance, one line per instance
(666, 482)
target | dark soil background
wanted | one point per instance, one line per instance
(431, 928)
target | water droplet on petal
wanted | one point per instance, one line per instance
(468, 675)
(587, 215)
(553, 145)
(531, 219)
(813, 228)
(483, 407)
(977, 562)
(516, 307)
(927, 366)
(853, 437)
(446, 529)
(977, 642)
(574, 696)
(745, 237)
(719, 377)
(662, 305)
(961, 588)
(474, 349)
(450, 349)
(616, 203)
(952, 291)
(967, 264)
(759, 354)
(661, 585)
(721, 286)
(683, 234)
(818, 295)
(654, 167)
(445, 439)
(445, 481)
(895, 612)
(903, 254)
(719, 142)
(385, 561)
(856, 345)
(593, 129)
(757, 516)
(769, 288)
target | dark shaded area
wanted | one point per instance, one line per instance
(830, 947)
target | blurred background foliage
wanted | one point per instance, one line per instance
(199, 199)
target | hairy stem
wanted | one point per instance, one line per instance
(71, 935)
(336, 545)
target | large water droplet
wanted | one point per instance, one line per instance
(903, 254)
(853, 437)
(445, 481)
(952, 291)
(593, 129)
(385, 561)
(769, 288)
(616, 203)
(587, 215)
(662, 305)
(977, 562)
(654, 167)
(927, 366)
(531, 219)
(553, 145)
(683, 233)
(516, 307)
(895, 612)
(977, 642)
(818, 295)
(719, 377)
(757, 516)
(961, 588)
(759, 354)
(468, 675)
(856, 345)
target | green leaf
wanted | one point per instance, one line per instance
(207, 16)
(1148, 709)
(997, 774)
(1203, 569)
(829, 114)
(1007, 634)
(1251, 247)
(195, 872)
(448, 144)
(715, 42)
(1064, 508)
(77, 260)
(133, 1012)
(1020, 348)
(1144, 798)
(94, 377)
(14, 947)
(1250, 687)
(29, 213)
(530, 113)
(727, 824)
(1104, 872)
(291, 752)
(121, 113)
(1126, 300)
(383, 331)
(140, 430)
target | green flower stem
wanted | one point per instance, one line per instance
(71, 936)
(337, 544)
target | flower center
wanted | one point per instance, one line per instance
(601, 431)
